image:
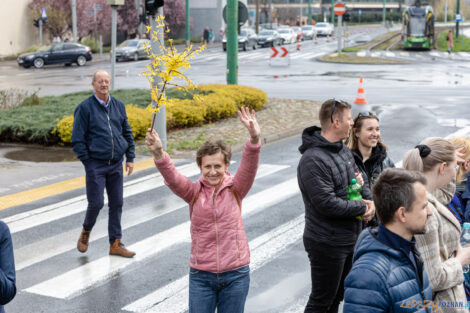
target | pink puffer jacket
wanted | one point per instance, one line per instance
(218, 240)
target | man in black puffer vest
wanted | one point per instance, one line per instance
(332, 222)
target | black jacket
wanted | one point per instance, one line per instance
(375, 164)
(324, 173)
(102, 134)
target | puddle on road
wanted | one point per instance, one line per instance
(42, 155)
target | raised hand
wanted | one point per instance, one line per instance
(249, 120)
(153, 142)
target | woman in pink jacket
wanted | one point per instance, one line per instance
(219, 264)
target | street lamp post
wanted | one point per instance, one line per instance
(232, 42)
(188, 36)
(74, 20)
(309, 12)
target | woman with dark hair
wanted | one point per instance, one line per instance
(370, 154)
(219, 248)
(439, 246)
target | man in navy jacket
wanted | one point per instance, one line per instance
(101, 136)
(388, 273)
(7, 267)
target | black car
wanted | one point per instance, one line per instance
(61, 53)
(246, 39)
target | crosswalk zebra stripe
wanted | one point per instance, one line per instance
(173, 298)
(78, 204)
(64, 242)
(85, 277)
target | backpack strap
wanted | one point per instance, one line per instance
(194, 202)
(236, 197)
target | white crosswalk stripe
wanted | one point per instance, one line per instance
(81, 279)
(66, 241)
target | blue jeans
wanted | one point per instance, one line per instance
(101, 175)
(225, 291)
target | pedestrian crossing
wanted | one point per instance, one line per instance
(83, 274)
(416, 55)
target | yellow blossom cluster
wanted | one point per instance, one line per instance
(167, 66)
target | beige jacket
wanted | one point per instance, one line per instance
(437, 248)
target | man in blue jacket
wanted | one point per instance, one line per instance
(388, 273)
(101, 136)
(7, 267)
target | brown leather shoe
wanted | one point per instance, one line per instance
(117, 248)
(82, 244)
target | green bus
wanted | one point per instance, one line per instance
(418, 27)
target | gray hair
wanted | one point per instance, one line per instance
(98, 72)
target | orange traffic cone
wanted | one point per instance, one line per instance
(360, 99)
(298, 42)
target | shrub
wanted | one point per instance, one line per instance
(183, 113)
(64, 129)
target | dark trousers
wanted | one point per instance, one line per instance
(329, 267)
(101, 174)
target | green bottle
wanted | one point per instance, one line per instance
(354, 190)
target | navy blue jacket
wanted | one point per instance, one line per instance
(7, 267)
(100, 133)
(384, 279)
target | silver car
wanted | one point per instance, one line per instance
(132, 49)
(308, 31)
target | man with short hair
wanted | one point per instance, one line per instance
(332, 222)
(388, 273)
(101, 136)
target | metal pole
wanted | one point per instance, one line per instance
(270, 13)
(74, 20)
(94, 21)
(160, 120)
(113, 43)
(383, 12)
(232, 42)
(332, 13)
(188, 37)
(457, 23)
(300, 15)
(445, 11)
(40, 31)
(340, 33)
(257, 16)
(101, 45)
(309, 12)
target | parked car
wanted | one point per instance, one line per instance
(61, 53)
(287, 35)
(269, 38)
(132, 49)
(298, 32)
(308, 31)
(246, 39)
(324, 29)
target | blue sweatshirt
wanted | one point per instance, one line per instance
(7, 267)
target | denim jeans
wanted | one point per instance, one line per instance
(225, 291)
(329, 267)
(101, 174)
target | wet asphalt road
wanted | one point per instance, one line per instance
(427, 98)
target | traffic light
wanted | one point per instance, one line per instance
(36, 22)
(151, 6)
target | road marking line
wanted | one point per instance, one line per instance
(173, 298)
(81, 279)
(66, 241)
(57, 188)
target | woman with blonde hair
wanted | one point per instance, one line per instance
(440, 246)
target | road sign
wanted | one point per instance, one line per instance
(276, 52)
(98, 7)
(43, 15)
(242, 13)
(339, 9)
(458, 17)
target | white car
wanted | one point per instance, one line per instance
(324, 29)
(287, 35)
(308, 31)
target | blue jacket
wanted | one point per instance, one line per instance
(7, 267)
(100, 133)
(384, 279)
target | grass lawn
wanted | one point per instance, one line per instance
(461, 44)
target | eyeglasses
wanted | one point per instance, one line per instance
(365, 114)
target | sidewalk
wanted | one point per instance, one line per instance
(27, 181)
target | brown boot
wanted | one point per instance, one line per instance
(82, 244)
(117, 248)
